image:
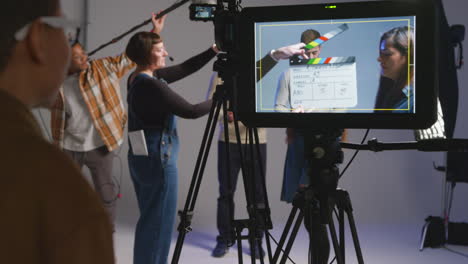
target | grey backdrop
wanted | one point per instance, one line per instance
(388, 187)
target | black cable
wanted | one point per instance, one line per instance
(355, 154)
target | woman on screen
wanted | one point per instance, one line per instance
(396, 91)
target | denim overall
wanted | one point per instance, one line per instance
(155, 180)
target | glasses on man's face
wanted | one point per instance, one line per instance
(69, 27)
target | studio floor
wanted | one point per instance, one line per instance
(382, 244)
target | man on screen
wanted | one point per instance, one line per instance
(283, 98)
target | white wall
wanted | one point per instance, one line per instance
(398, 186)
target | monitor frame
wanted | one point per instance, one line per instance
(426, 75)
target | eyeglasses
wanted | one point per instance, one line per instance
(69, 27)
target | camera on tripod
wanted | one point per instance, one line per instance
(357, 69)
(225, 15)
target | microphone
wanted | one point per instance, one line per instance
(171, 59)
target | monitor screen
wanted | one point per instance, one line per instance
(359, 66)
(348, 62)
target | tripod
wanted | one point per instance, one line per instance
(317, 202)
(259, 215)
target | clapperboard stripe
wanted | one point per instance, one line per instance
(320, 61)
(319, 41)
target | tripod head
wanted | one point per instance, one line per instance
(224, 66)
(322, 153)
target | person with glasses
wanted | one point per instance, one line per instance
(88, 118)
(50, 214)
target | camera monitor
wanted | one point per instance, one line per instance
(365, 65)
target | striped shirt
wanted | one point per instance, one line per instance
(99, 85)
(436, 131)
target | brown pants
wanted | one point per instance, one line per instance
(99, 161)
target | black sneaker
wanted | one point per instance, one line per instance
(259, 252)
(220, 250)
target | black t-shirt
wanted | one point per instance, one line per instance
(151, 100)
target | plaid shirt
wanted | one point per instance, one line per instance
(99, 85)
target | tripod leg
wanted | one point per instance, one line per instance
(261, 162)
(336, 246)
(248, 175)
(344, 202)
(239, 245)
(228, 182)
(342, 231)
(187, 213)
(319, 245)
(178, 247)
(297, 225)
(252, 242)
(268, 242)
(285, 233)
(357, 246)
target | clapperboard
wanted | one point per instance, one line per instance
(323, 83)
